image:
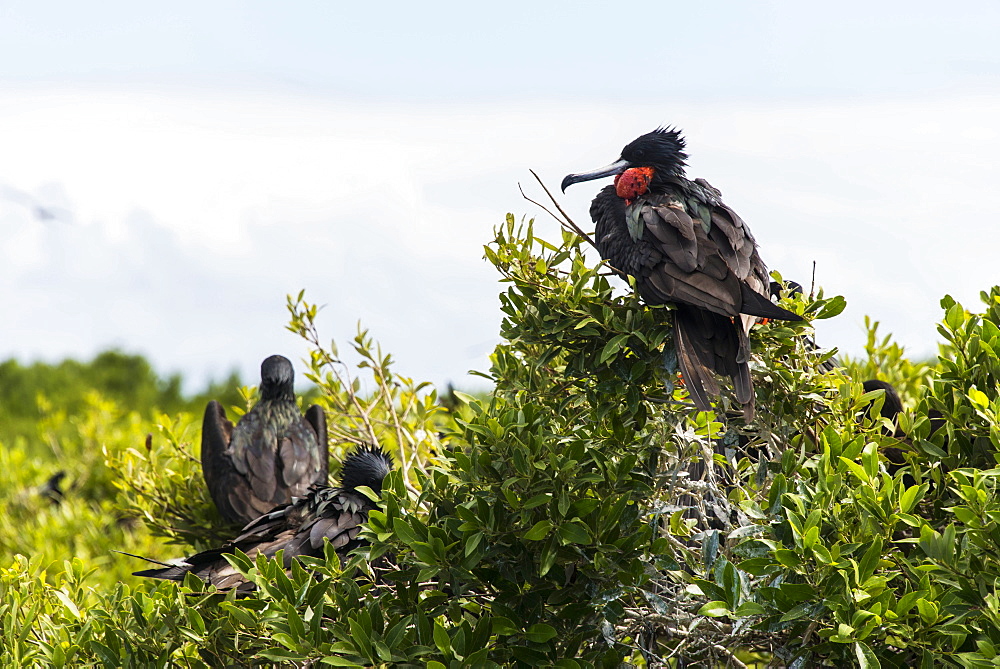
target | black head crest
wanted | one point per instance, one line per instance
(367, 465)
(662, 149)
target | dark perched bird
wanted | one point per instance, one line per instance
(774, 288)
(333, 514)
(892, 406)
(273, 453)
(52, 490)
(684, 246)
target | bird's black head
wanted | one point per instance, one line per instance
(277, 378)
(775, 288)
(367, 465)
(892, 406)
(662, 150)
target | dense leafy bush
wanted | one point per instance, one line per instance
(29, 393)
(584, 514)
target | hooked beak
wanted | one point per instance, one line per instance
(614, 168)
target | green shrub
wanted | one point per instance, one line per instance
(584, 514)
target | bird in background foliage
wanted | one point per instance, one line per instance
(892, 406)
(299, 528)
(272, 454)
(684, 246)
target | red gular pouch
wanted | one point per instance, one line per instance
(633, 183)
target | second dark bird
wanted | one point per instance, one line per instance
(684, 246)
(299, 528)
(274, 453)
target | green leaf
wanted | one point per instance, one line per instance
(978, 397)
(70, 606)
(787, 558)
(335, 661)
(504, 627)
(797, 612)
(540, 633)
(441, 639)
(472, 543)
(714, 610)
(549, 554)
(574, 533)
(538, 500)
(866, 656)
(465, 397)
(856, 469)
(833, 307)
(928, 611)
(749, 609)
(612, 347)
(955, 317)
(281, 655)
(911, 497)
(403, 531)
(538, 531)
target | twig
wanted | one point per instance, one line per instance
(311, 335)
(729, 654)
(404, 463)
(566, 221)
(539, 205)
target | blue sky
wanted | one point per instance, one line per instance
(207, 159)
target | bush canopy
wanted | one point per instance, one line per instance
(582, 514)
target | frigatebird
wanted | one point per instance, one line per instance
(684, 246)
(273, 453)
(298, 528)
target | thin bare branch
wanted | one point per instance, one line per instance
(566, 221)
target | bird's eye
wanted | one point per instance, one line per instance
(639, 153)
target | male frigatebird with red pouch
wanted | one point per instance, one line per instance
(684, 246)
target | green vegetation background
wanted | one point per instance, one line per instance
(538, 526)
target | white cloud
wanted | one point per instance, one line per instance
(193, 214)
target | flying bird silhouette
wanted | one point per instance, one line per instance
(298, 528)
(272, 455)
(684, 246)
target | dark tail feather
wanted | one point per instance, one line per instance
(143, 557)
(170, 572)
(756, 304)
(173, 573)
(708, 342)
(742, 383)
(744, 391)
(698, 377)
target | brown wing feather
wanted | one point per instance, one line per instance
(272, 455)
(707, 268)
(217, 467)
(216, 431)
(316, 417)
(299, 528)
